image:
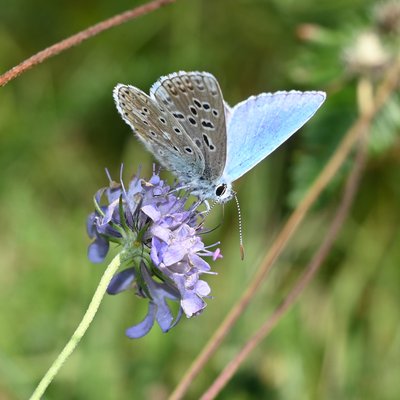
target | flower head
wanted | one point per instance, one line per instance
(161, 248)
(367, 55)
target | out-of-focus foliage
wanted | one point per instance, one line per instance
(59, 129)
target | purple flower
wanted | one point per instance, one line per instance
(160, 246)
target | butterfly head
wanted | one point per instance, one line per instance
(223, 192)
(219, 191)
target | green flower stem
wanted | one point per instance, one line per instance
(80, 330)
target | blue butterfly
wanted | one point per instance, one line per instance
(193, 133)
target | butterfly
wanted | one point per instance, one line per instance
(193, 133)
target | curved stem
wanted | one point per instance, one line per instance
(80, 37)
(80, 330)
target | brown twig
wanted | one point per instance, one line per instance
(80, 37)
(329, 171)
(312, 268)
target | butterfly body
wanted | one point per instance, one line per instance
(193, 133)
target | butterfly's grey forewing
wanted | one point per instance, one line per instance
(195, 99)
(160, 132)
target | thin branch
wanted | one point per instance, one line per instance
(312, 268)
(80, 37)
(384, 91)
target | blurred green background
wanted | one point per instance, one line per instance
(59, 129)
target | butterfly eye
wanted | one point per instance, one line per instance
(221, 189)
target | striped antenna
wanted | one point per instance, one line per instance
(240, 227)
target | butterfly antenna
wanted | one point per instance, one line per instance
(240, 227)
